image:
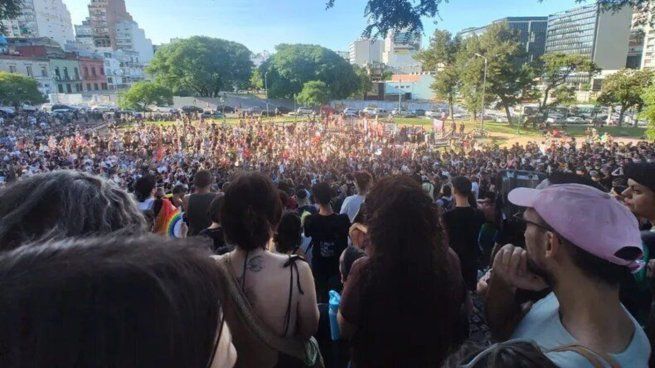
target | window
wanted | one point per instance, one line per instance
(57, 73)
(29, 71)
(88, 86)
(44, 71)
(86, 72)
(93, 71)
(104, 86)
(66, 76)
(77, 74)
(95, 86)
(12, 69)
(78, 87)
(102, 71)
(60, 88)
(110, 80)
(69, 89)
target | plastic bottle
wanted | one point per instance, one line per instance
(333, 309)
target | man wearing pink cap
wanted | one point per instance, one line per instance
(581, 243)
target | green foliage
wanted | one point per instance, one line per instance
(202, 66)
(626, 88)
(314, 93)
(257, 79)
(143, 94)
(16, 89)
(470, 69)
(441, 57)
(9, 9)
(555, 68)
(648, 111)
(294, 65)
(386, 75)
(364, 82)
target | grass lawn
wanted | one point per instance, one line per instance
(502, 129)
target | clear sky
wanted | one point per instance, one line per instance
(262, 24)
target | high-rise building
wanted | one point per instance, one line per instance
(104, 15)
(130, 37)
(603, 36)
(531, 32)
(647, 30)
(366, 51)
(400, 48)
(42, 18)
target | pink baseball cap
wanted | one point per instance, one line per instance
(589, 218)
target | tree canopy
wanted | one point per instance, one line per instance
(287, 71)
(9, 9)
(648, 112)
(143, 94)
(314, 93)
(202, 66)
(625, 88)
(386, 15)
(16, 89)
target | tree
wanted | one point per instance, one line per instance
(386, 15)
(9, 9)
(626, 88)
(440, 57)
(143, 94)
(555, 69)
(314, 93)
(648, 112)
(364, 80)
(202, 66)
(16, 89)
(257, 79)
(294, 65)
(470, 70)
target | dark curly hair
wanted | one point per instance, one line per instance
(63, 204)
(251, 211)
(288, 236)
(407, 281)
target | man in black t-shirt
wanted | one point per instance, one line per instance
(463, 225)
(329, 233)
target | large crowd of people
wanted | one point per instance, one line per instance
(197, 243)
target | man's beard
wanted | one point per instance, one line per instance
(535, 269)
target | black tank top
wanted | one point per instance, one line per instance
(197, 212)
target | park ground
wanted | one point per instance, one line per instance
(502, 134)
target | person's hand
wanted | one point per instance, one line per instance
(511, 266)
(650, 268)
(483, 284)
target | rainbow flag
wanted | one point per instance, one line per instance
(169, 221)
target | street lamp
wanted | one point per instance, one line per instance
(266, 87)
(484, 86)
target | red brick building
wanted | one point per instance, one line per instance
(93, 74)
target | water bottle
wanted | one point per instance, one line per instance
(333, 309)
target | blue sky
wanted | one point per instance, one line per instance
(262, 24)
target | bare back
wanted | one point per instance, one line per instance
(267, 286)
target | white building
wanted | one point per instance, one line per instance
(42, 18)
(400, 48)
(38, 69)
(130, 37)
(258, 59)
(417, 85)
(122, 68)
(366, 51)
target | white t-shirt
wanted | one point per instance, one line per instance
(543, 325)
(475, 188)
(351, 206)
(146, 205)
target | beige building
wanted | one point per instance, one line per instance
(38, 69)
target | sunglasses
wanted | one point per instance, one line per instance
(519, 217)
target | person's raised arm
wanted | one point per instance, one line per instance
(509, 273)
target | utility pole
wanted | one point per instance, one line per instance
(266, 87)
(484, 87)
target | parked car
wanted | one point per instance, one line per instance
(304, 111)
(62, 107)
(432, 114)
(283, 110)
(374, 111)
(555, 120)
(501, 119)
(212, 115)
(575, 120)
(191, 109)
(419, 112)
(350, 112)
(402, 113)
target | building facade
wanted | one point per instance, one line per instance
(37, 68)
(400, 48)
(66, 75)
(132, 38)
(42, 18)
(588, 31)
(412, 86)
(366, 51)
(531, 33)
(93, 74)
(104, 15)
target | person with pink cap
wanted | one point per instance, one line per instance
(581, 243)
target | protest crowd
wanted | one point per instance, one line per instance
(327, 243)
